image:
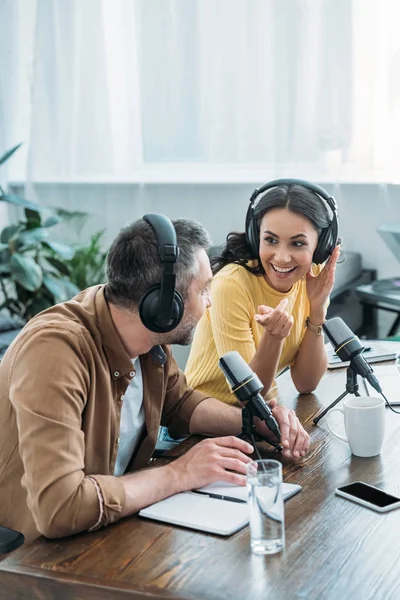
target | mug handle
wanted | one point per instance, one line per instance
(341, 437)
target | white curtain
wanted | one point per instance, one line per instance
(122, 84)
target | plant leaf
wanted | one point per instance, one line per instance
(9, 153)
(33, 218)
(77, 218)
(18, 201)
(70, 215)
(26, 272)
(51, 221)
(5, 255)
(31, 237)
(62, 250)
(57, 264)
(8, 232)
(70, 288)
(55, 287)
(36, 305)
(13, 306)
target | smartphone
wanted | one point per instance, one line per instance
(369, 496)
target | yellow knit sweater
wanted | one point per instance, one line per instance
(229, 324)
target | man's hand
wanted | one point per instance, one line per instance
(212, 460)
(294, 438)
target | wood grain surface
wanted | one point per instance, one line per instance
(335, 549)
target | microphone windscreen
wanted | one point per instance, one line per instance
(235, 368)
(337, 331)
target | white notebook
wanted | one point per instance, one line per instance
(214, 515)
(389, 378)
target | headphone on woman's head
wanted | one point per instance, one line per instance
(328, 237)
(161, 306)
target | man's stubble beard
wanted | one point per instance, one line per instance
(181, 335)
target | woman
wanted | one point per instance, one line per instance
(271, 290)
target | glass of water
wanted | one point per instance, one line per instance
(267, 525)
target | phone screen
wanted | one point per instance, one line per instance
(369, 494)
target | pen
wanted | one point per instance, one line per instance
(219, 496)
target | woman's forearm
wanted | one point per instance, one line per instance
(310, 364)
(266, 359)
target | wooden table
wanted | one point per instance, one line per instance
(335, 549)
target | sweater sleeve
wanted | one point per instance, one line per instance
(49, 395)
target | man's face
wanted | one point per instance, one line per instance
(197, 301)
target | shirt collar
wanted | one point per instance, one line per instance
(119, 360)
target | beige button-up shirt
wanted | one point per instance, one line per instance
(61, 384)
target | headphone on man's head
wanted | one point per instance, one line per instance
(161, 306)
(328, 237)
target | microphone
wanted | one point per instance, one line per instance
(349, 348)
(246, 386)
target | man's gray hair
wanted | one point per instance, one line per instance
(134, 265)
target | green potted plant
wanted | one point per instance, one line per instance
(87, 266)
(34, 269)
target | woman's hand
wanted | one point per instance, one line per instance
(276, 321)
(319, 288)
(294, 438)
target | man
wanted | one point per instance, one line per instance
(85, 386)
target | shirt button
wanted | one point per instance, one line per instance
(132, 374)
(116, 373)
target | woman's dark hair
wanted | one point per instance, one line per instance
(296, 198)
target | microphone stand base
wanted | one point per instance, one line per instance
(351, 388)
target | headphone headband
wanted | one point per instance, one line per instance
(328, 237)
(317, 189)
(161, 307)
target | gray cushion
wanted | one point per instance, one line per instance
(348, 268)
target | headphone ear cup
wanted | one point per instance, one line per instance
(255, 240)
(324, 247)
(148, 310)
(252, 236)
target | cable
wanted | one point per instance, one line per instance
(253, 441)
(389, 405)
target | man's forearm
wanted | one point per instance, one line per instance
(152, 485)
(213, 417)
(148, 486)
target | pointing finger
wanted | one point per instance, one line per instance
(265, 310)
(282, 304)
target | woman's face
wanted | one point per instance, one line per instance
(287, 244)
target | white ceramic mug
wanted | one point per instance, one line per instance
(364, 421)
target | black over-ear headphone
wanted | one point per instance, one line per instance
(161, 306)
(328, 237)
